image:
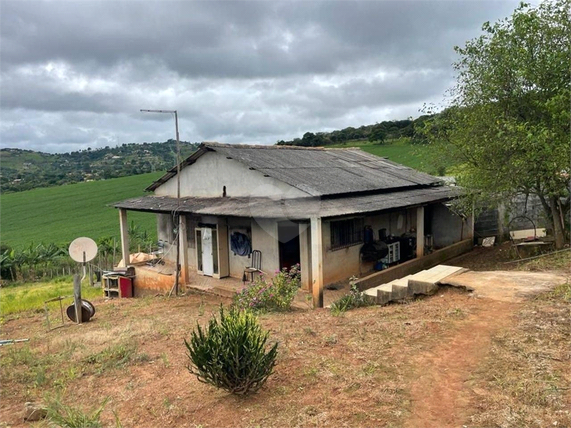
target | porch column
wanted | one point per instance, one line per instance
(317, 262)
(124, 226)
(183, 241)
(420, 232)
(305, 255)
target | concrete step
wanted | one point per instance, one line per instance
(383, 294)
(424, 282)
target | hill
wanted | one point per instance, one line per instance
(61, 214)
(27, 169)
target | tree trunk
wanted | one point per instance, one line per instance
(557, 226)
(554, 219)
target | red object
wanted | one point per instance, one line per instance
(125, 287)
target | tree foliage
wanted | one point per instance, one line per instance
(508, 120)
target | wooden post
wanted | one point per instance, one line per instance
(420, 232)
(183, 241)
(90, 270)
(77, 298)
(317, 262)
(124, 225)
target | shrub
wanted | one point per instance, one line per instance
(275, 294)
(231, 353)
(355, 299)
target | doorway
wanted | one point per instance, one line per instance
(288, 238)
(207, 250)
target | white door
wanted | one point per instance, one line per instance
(207, 259)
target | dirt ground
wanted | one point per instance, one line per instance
(448, 360)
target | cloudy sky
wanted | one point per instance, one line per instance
(75, 73)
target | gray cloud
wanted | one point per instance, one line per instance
(75, 74)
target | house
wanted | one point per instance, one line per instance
(333, 211)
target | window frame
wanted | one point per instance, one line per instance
(347, 238)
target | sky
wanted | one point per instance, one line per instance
(75, 74)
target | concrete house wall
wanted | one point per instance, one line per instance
(341, 263)
(239, 181)
(212, 171)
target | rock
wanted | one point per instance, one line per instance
(34, 412)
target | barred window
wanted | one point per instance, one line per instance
(347, 232)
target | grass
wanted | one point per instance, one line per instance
(61, 214)
(26, 297)
(66, 416)
(417, 156)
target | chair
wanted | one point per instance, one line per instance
(255, 266)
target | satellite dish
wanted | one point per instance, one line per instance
(83, 246)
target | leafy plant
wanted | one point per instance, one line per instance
(275, 294)
(355, 299)
(231, 352)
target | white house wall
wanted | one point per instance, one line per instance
(238, 263)
(265, 239)
(212, 171)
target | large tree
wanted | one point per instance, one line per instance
(508, 121)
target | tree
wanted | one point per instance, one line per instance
(508, 119)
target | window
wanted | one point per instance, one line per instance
(347, 232)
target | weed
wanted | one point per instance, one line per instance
(276, 294)
(201, 307)
(309, 331)
(115, 356)
(165, 360)
(66, 416)
(355, 299)
(331, 340)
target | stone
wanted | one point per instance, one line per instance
(34, 412)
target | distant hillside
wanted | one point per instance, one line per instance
(27, 169)
(376, 133)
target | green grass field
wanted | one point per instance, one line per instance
(31, 296)
(416, 156)
(61, 214)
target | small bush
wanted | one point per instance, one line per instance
(231, 353)
(277, 294)
(355, 299)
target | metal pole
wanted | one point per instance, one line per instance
(177, 274)
(177, 243)
(77, 298)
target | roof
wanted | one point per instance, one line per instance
(293, 209)
(316, 170)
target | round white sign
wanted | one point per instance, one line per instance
(83, 246)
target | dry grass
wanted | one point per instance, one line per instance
(525, 379)
(357, 369)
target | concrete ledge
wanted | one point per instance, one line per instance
(415, 265)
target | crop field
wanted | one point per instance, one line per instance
(61, 214)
